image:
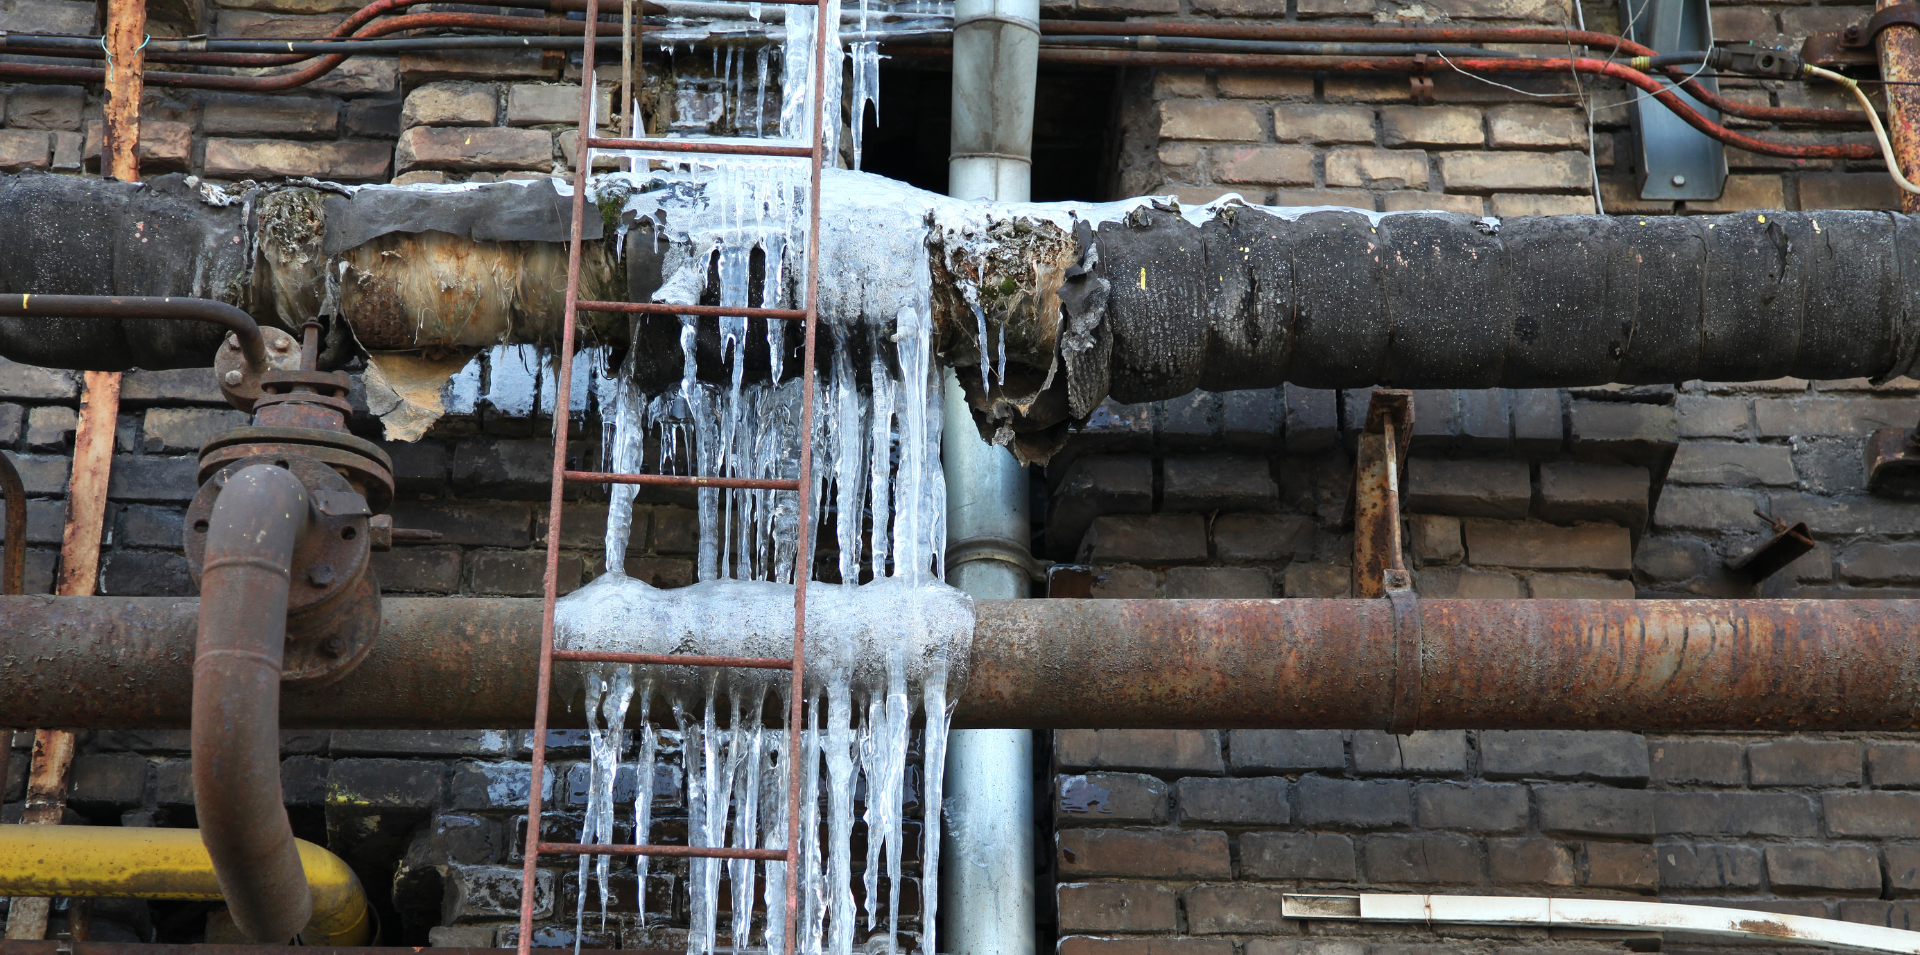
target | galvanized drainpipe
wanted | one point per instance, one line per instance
(987, 855)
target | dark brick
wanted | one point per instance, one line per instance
(143, 741)
(1708, 867)
(1501, 807)
(1805, 762)
(1904, 916)
(1486, 419)
(42, 474)
(1571, 811)
(676, 530)
(1903, 870)
(1217, 482)
(173, 783)
(1288, 750)
(1184, 751)
(185, 430)
(459, 839)
(1312, 419)
(139, 525)
(496, 785)
(585, 525)
(1538, 426)
(1635, 431)
(1145, 539)
(1354, 804)
(1423, 753)
(1468, 488)
(142, 574)
(1142, 854)
(51, 427)
(47, 520)
(1530, 862)
(1564, 754)
(303, 780)
(1735, 814)
(626, 784)
(1111, 799)
(1263, 537)
(33, 383)
(1436, 419)
(12, 423)
(1873, 814)
(515, 468)
(1261, 801)
(373, 119)
(1236, 909)
(1082, 945)
(419, 467)
(118, 779)
(1189, 421)
(1709, 762)
(1096, 484)
(1250, 420)
(1116, 907)
(419, 570)
(13, 787)
(1305, 946)
(520, 574)
(1218, 583)
(493, 743)
(1894, 765)
(660, 571)
(1619, 865)
(1320, 856)
(1837, 870)
(475, 525)
(1423, 858)
(179, 386)
(140, 477)
(375, 784)
(483, 893)
(1572, 491)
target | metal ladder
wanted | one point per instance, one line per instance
(536, 848)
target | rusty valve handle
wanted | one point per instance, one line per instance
(253, 345)
(258, 521)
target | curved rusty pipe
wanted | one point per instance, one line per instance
(253, 345)
(13, 567)
(258, 520)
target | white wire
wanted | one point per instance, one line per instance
(1873, 116)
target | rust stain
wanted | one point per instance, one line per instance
(1764, 927)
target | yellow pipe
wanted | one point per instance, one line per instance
(106, 862)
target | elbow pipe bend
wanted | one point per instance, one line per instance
(260, 517)
(96, 862)
(253, 344)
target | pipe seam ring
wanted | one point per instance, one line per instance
(1026, 160)
(1409, 658)
(1021, 22)
(996, 548)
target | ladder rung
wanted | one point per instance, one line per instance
(673, 659)
(698, 146)
(682, 480)
(684, 852)
(658, 308)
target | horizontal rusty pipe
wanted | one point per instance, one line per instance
(463, 663)
(1611, 44)
(259, 518)
(253, 345)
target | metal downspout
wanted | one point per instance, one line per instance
(987, 854)
(261, 515)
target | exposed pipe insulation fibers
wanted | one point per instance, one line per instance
(89, 862)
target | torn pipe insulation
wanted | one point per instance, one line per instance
(1042, 309)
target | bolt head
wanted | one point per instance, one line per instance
(321, 576)
(232, 378)
(1679, 180)
(282, 345)
(334, 646)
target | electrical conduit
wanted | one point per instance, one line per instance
(258, 520)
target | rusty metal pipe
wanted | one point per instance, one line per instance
(13, 566)
(253, 345)
(260, 516)
(1899, 49)
(462, 663)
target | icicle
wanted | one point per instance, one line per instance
(643, 795)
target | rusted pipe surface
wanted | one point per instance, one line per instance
(461, 663)
(13, 567)
(1899, 47)
(253, 344)
(260, 517)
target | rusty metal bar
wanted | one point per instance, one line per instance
(672, 660)
(49, 773)
(718, 311)
(1899, 46)
(125, 43)
(675, 852)
(13, 566)
(683, 480)
(1374, 505)
(1760, 665)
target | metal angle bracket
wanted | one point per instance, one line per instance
(1676, 161)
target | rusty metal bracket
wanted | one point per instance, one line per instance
(1373, 507)
(1789, 543)
(1853, 46)
(1863, 34)
(1893, 463)
(1409, 654)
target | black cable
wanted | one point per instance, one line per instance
(1284, 47)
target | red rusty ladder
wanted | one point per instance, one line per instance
(797, 664)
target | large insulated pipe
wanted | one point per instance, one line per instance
(259, 518)
(986, 874)
(100, 862)
(453, 663)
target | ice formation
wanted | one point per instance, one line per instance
(880, 654)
